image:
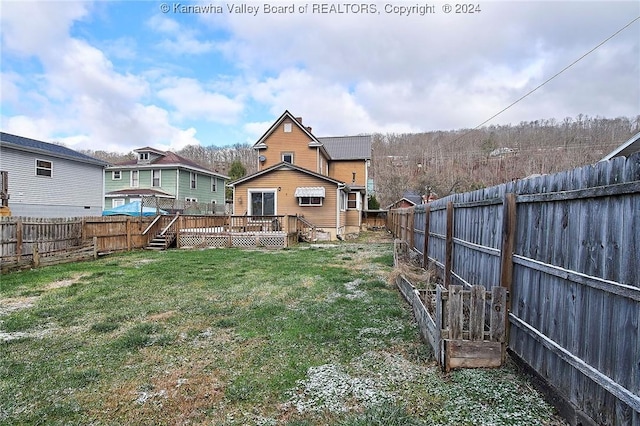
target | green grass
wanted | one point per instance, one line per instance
(304, 336)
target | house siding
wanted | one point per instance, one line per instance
(74, 189)
(295, 142)
(203, 191)
(286, 202)
(343, 171)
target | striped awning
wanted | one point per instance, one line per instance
(310, 191)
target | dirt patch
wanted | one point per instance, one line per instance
(163, 316)
(65, 283)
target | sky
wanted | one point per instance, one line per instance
(121, 75)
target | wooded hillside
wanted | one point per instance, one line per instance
(445, 162)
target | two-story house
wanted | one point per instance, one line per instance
(322, 179)
(50, 180)
(180, 183)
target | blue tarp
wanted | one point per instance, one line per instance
(132, 209)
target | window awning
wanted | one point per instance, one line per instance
(310, 191)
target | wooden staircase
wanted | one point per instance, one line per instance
(161, 242)
(165, 237)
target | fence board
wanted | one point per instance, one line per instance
(572, 262)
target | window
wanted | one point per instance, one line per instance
(116, 175)
(191, 200)
(352, 200)
(143, 156)
(263, 203)
(193, 180)
(117, 202)
(155, 178)
(135, 179)
(310, 201)
(214, 183)
(44, 168)
(287, 157)
(287, 127)
(343, 201)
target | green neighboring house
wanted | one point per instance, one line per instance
(176, 183)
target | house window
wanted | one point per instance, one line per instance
(116, 175)
(117, 202)
(135, 179)
(193, 180)
(44, 168)
(263, 203)
(287, 127)
(155, 178)
(352, 200)
(343, 201)
(287, 157)
(143, 156)
(214, 186)
(191, 200)
(310, 201)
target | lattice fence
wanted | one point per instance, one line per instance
(233, 240)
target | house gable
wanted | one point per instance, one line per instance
(289, 140)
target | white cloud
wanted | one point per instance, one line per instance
(192, 101)
(179, 40)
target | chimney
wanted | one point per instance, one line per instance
(309, 129)
(299, 119)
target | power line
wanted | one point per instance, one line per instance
(551, 78)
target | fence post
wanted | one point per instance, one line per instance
(425, 251)
(95, 248)
(448, 257)
(36, 256)
(19, 238)
(128, 226)
(411, 227)
(506, 256)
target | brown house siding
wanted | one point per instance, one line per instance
(295, 142)
(343, 171)
(286, 203)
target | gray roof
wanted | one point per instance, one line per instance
(627, 149)
(36, 146)
(348, 147)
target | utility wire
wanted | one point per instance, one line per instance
(550, 78)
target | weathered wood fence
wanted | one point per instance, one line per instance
(567, 249)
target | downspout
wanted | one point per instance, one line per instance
(338, 203)
(178, 184)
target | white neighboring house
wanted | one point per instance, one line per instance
(49, 180)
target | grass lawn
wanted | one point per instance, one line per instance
(313, 335)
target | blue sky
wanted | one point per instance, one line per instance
(116, 76)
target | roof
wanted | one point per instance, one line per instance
(137, 192)
(627, 149)
(284, 166)
(40, 147)
(167, 158)
(337, 148)
(348, 147)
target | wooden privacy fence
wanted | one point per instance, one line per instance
(566, 247)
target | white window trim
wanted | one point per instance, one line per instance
(262, 190)
(113, 175)
(301, 204)
(131, 183)
(50, 168)
(191, 200)
(283, 155)
(357, 200)
(193, 180)
(288, 127)
(214, 184)
(117, 202)
(159, 178)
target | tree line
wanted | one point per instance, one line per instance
(445, 162)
